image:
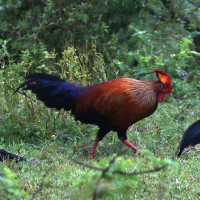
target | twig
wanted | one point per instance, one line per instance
(88, 166)
(142, 172)
(105, 170)
(182, 111)
(194, 3)
(95, 192)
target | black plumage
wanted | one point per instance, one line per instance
(52, 90)
(6, 155)
(190, 137)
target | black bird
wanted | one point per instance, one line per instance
(190, 137)
(6, 155)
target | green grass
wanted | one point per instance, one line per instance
(53, 175)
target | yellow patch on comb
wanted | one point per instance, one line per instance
(163, 76)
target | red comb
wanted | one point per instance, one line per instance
(163, 76)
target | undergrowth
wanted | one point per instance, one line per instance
(54, 141)
(54, 174)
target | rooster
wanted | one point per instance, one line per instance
(113, 105)
(190, 137)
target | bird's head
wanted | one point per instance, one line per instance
(163, 86)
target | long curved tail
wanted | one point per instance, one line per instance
(52, 90)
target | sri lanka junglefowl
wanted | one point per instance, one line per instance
(113, 105)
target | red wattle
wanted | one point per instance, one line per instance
(161, 97)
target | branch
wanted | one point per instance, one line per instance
(142, 172)
(88, 166)
(158, 16)
(95, 192)
(183, 110)
(194, 3)
(178, 18)
(144, 74)
(105, 170)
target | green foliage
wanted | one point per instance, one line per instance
(25, 117)
(125, 32)
(10, 186)
(61, 25)
(120, 178)
(4, 51)
(86, 42)
(84, 68)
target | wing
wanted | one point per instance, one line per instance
(98, 102)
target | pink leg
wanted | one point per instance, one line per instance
(94, 148)
(126, 142)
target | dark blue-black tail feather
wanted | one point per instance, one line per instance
(51, 89)
(190, 137)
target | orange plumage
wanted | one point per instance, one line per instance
(112, 105)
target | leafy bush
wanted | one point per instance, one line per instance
(9, 186)
(25, 117)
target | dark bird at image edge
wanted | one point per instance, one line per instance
(112, 105)
(190, 137)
